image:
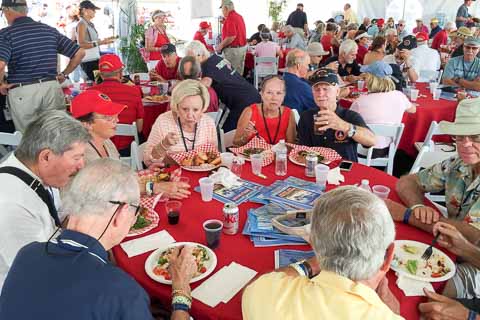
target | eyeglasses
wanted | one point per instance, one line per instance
(472, 138)
(107, 118)
(121, 203)
(470, 48)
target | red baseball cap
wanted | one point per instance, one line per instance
(94, 101)
(110, 63)
(204, 25)
(380, 22)
(421, 36)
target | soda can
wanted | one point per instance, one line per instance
(230, 218)
(310, 163)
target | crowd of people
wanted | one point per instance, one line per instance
(71, 158)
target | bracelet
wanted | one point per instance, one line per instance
(180, 307)
(472, 315)
(298, 266)
(406, 215)
(415, 206)
(308, 267)
(181, 300)
(180, 292)
(149, 188)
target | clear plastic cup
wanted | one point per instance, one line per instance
(256, 160)
(321, 173)
(361, 85)
(173, 211)
(433, 86)
(381, 191)
(213, 230)
(237, 166)
(206, 189)
(227, 158)
(413, 94)
(146, 90)
(436, 94)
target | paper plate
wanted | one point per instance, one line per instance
(152, 259)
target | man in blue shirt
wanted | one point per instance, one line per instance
(463, 17)
(70, 277)
(30, 50)
(464, 71)
(298, 94)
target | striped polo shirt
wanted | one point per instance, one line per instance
(30, 50)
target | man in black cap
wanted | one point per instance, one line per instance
(330, 125)
(30, 49)
(167, 67)
(298, 20)
(402, 57)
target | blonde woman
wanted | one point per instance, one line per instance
(156, 36)
(383, 104)
(186, 126)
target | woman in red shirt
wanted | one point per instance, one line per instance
(269, 119)
(156, 35)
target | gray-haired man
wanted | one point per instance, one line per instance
(353, 245)
(50, 153)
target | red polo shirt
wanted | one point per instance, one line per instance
(199, 36)
(167, 73)
(441, 38)
(234, 26)
(127, 95)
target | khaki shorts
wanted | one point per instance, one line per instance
(27, 102)
(236, 56)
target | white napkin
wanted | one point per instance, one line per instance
(335, 177)
(223, 285)
(225, 177)
(411, 287)
(141, 245)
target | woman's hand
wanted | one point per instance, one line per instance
(250, 129)
(171, 139)
(172, 190)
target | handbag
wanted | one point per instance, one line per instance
(91, 54)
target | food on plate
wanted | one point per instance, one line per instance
(249, 151)
(157, 98)
(301, 155)
(202, 158)
(410, 249)
(411, 262)
(142, 220)
(156, 177)
(201, 257)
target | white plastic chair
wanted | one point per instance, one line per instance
(136, 153)
(144, 76)
(216, 116)
(393, 131)
(264, 66)
(226, 139)
(129, 130)
(8, 139)
(296, 115)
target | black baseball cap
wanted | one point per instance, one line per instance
(409, 42)
(87, 4)
(323, 75)
(168, 49)
(14, 3)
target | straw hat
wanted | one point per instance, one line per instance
(316, 49)
(467, 119)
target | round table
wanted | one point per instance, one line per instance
(240, 249)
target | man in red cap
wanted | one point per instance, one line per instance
(111, 67)
(167, 68)
(200, 34)
(426, 61)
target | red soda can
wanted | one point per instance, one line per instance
(230, 218)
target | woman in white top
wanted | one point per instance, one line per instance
(383, 104)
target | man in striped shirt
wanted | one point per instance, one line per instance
(30, 50)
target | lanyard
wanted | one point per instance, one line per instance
(266, 126)
(96, 150)
(184, 138)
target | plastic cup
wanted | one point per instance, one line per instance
(227, 158)
(381, 191)
(213, 230)
(433, 86)
(206, 189)
(146, 90)
(360, 84)
(436, 94)
(321, 172)
(256, 160)
(413, 94)
(316, 126)
(163, 88)
(76, 86)
(173, 211)
(237, 165)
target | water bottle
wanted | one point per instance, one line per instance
(281, 159)
(365, 185)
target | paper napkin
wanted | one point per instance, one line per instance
(411, 287)
(144, 244)
(335, 177)
(223, 285)
(225, 177)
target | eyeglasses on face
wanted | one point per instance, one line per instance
(472, 138)
(121, 203)
(107, 118)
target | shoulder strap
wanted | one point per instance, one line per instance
(36, 186)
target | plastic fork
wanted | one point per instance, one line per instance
(429, 251)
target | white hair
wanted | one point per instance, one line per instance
(288, 28)
(449, 25)
(351, 239)
(196, 48)
(101, 181)
(390, 31)
(347, 46)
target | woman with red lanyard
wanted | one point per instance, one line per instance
(156, 37)
(269, 119)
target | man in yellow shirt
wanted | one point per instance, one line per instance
(353, 244)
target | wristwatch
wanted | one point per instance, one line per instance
(352, 131)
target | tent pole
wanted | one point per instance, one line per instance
(403, 13)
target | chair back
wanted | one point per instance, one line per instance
(7, 141)
(264, 66)
(226, 139)
(129, 130)
(136, 153)
(393, 131)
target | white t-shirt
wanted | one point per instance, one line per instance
(382, 108)
(426, 62)
(24, 218)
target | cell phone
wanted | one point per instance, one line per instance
(346, 165)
